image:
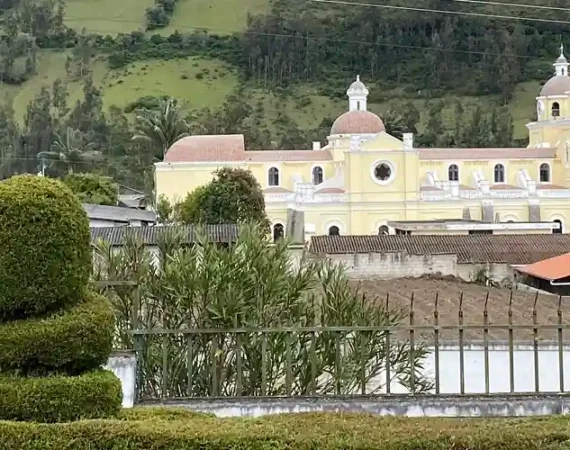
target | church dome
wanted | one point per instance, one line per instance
(557, 85)
(358, 122)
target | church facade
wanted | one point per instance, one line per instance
(365, 179)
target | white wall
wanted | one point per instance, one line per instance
(499, 373)
(123, 365)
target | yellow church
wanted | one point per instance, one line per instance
(366, 182)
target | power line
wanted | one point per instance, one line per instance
(513, 5)
(323, 39)
(441, 11)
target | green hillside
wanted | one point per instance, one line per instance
(274, 70)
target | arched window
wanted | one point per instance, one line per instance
(499, 173)
(334, 231)
(273, 176)
(544, 173)
(278, 232)
(560, 230)
(383, 230)
(555, 109)
(453, 173)
(317, 175)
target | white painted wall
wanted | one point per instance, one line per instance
(499, 373)
(123, 365)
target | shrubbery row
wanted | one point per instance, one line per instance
(183, 431)
(92, 395)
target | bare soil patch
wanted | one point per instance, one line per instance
(454, 295)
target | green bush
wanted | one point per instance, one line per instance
(92, 395)
(45, 260)
(93, 188)
(71, 341)
(299, 432)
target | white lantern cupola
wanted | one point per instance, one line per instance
(561, 64)
(357, 95)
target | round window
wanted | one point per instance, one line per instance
(382, 172)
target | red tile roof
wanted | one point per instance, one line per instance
(485, 153)
(275, 190)
(464, 187)
(288, 155)
(218, 148)
(231, 148)
(429, 189)
(550, 186)
(330, 190)
(549, 269)
(358, 122)
(474, 248)
(503, 187)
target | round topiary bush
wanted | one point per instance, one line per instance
(70, 341)
(45, 261)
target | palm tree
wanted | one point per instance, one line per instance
(395, 124)
(161, 127)
(70, 150)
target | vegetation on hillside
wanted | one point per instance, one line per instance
(289, 68)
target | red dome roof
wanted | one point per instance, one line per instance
(557, 85)
(358, 122)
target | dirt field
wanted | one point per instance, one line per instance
(449, 292)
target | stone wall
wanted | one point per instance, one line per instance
(403, 265)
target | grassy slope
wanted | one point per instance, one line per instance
(178, 78)
(222, 17)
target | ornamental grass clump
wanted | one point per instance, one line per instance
(55, 334)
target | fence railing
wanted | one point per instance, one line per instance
(444, 352)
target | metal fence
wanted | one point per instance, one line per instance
(444, 352)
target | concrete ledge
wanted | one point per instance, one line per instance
(432, 406)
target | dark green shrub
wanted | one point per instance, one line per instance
(92, 395)
(287, 432)
(71, 341)
(93, 188)
(45, 260)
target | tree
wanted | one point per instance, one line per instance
(233, 196)
(70, 150)
(163, 127)
(252, 284)
(93, 188)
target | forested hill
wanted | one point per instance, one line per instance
(457, 72)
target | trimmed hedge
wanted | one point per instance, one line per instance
(92, 395)
(45, 260)
(286, 432)
(71, 341)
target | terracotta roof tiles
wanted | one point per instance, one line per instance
(484, 153)
(549, 269)
(358, 122)
(330, 190)
(503, 187)
(511, 249)
(288, 155)
(227, 147)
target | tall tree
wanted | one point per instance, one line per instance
(233, 196)
(162, 127)
(70, 151)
